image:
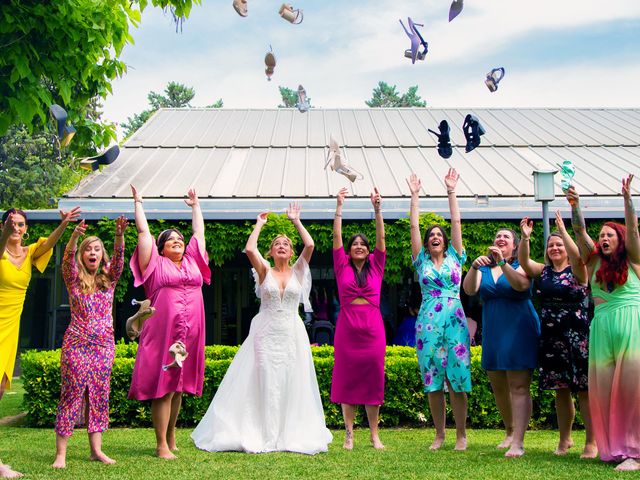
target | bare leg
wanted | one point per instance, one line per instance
(61, 452)
(176, 403)
(590, 447)
(566, 412)
(95, 444)
(3, 386)
(373, 411)
(519, 384)
(7, 472)
(349, 415)
(500, 389)
(459, 406)
(160, 414)
(438, 414)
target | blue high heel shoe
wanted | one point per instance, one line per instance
(493, 78)
(105, 158)
(455, 9)
(472, 132)
(444, 140)
(414, 35)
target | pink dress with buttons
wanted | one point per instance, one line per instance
(360, 343)
(176, 294)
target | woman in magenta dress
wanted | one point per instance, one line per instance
(358, 371)
(172, 276)
(88, 348)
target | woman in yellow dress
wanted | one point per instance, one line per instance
(16, 261)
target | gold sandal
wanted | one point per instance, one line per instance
(134, 323)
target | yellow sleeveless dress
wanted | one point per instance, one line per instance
(13, 289)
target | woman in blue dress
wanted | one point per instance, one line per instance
(511, 329)
(442, 335)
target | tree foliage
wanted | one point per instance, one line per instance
(387, 96)
(66, 52)
(290, 97)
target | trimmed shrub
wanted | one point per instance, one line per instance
(405, 401)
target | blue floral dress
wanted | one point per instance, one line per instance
(442, 335)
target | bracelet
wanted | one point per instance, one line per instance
(526, 239)
(501, 262)
(376, 210)
(120, 235)
(474, 267)
(337, 215)
(451, 191)
(137, 201)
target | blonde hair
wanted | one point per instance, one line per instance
(90, 283)
(287, 239)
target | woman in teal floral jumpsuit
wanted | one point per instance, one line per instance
(442, 335)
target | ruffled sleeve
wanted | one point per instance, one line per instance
(138, 277)
(419, 260)
(41, 262)
(378, 260)
(256, 278)
(339, 260)
(302, 272)
(460, 257)
(193, 251)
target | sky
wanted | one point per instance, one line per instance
(571, 53)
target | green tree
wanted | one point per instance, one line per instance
(290, 98)
(387, 96)
(176, 95)
(66, 52)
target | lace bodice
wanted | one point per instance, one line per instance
(296, 290)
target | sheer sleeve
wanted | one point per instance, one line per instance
(41, 262)
(256, 278)
(302, 272)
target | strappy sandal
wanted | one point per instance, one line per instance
(414, 52)
(455, 9)
(180, 354)
(334, 160)
(493, 78)
(240, 6)
(105, 158)
(134, 323)
(444, 140)
(270, 63)
(472, 132)
(303, 102)
(290, 14)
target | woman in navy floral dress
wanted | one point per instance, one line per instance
(88, 347)
(442, 335)
(563, 357)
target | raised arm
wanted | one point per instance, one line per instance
(251, 248)
(472, 280)
(69, 267)
(197, 222)
(117, 259)
(632, 240)
(65, 217)
(337, 218)
(451, 180)
(414, 214)
(578, 267)
(531, 268)
(7, 230)
(518, 280)
(145, 240)
(583, 240)
(293, 213)
(376, 201)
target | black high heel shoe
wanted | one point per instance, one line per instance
(472, 132)
(444, 141)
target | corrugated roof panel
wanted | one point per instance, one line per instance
(512, 130)
(247, 133)
(607, 170)
(349, 127)
(299, 131)
(229, 174)
(376, 170)
(383, 127)
(531, 132)
(282, 130)
(248, 181)
(295, 174)
(570, 135)
(400, 128)
(418, 121)
(215, 160)
(591, 122)
(419, 163)
(317, 182)
(159, 167)
(197, 129)
(173, 129)
(215, 128)
(271, 182)
(504, 170)
(191, 173)
(318, 137)
(235, 123)
(367, 131)
(624, 122)
(265, 129)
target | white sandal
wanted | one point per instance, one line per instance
(334, 160)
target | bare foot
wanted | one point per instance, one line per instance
(563, 447)
(628, 465)
(590, 450)
(165, 453)
(506, 443)
(461, 444)
(59, 462)
(101, 457)
(377, 444)
(348, 440)
(437, 442)
(7, 472)
(514, 452)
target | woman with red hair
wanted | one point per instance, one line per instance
(613, 264)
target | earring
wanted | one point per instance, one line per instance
(26, 236)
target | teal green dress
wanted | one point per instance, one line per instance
(442, 334)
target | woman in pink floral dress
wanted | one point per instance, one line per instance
(88, 347)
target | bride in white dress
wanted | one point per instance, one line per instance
(269, 399)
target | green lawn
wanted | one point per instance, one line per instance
(11, 403)
(31, 451)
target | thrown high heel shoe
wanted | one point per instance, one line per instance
(134, 323)
(472, 132)
(303, 102)
(270, 63)
(493, 78)
(290, 14)
(455, 9)
(180, 354)
(444, 140)
(414, 52)
(240, 6)
(105, 158)
(334, 160)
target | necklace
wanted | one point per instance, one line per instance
(14, 255)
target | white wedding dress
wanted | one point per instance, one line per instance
(269, 398)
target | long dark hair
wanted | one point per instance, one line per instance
(361, 276)
(428, 232)
(164, 236)
(6, 214)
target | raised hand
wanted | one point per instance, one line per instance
(9, 226)
(136, 196)
(481, 261)
(414, 184)
(496, 253)
(376, 198)
(70, 216)
(121, 225)
(451, 179)
(526, 227)
(560, 222)
(572, 196)
(626, 186)
(293, 212)
(343, 192)
(262, 218)
(192, 199)
(80, 228)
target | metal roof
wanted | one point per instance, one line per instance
(244, 161)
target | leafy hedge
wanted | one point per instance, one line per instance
(405, 402)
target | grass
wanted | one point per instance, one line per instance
(11, 403)
(31, 451)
